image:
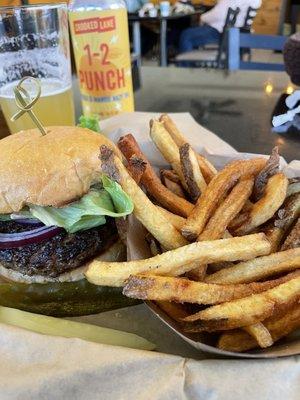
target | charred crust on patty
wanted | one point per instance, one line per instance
(62, 253)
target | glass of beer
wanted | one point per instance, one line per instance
(34, 41)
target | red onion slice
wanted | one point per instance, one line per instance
(13, 240)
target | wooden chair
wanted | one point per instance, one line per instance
(238, 40)
(210, 57)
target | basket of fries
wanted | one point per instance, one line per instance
(214, 253)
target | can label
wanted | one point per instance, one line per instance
(95, 25)
(101, 48)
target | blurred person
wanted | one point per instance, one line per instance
(212, 23)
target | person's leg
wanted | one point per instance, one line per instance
(175, 29)
(149, 39)
(192, 38)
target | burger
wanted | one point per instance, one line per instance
(57, 211)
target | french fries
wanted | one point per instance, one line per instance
(171, 180)
(175, 220)
(170, 175)
(215, 192)
(227, 210)
(191, 171)
(144, 210)
(261, 334)
(198, 273)
(180, 260)
(278, 327)
(216, 227)
(263, 209)
(174, 187)
(246, 311)
(154, 246)
(136, 168)
(270, 169)
(279, 225)
(294, 186)
(293, 239)
(129, 147)
(182, 290)
(259, 268)
(243, 288)
(207, 169)
(174, 310)
(167, 147)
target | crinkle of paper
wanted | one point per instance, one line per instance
(39, 367)
(36, 367)
(203, 140)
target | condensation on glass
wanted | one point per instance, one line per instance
(34, 41)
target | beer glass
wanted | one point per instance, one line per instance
(34, 41)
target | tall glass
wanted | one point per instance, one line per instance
(34, 41)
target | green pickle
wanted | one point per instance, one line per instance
(67, 299)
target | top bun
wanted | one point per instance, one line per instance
(49, 170)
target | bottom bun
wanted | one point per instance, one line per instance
(116, 252)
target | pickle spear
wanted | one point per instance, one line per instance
(66, 299)
(70, 329)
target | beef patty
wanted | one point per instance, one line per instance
(62, 253)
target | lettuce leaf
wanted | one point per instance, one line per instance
(5, 217)
(91, 123)
(89, 211)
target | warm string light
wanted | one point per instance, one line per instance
(289, 89)
(269, 88)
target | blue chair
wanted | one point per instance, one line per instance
(237, 41)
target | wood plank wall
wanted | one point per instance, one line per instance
(267, 19)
